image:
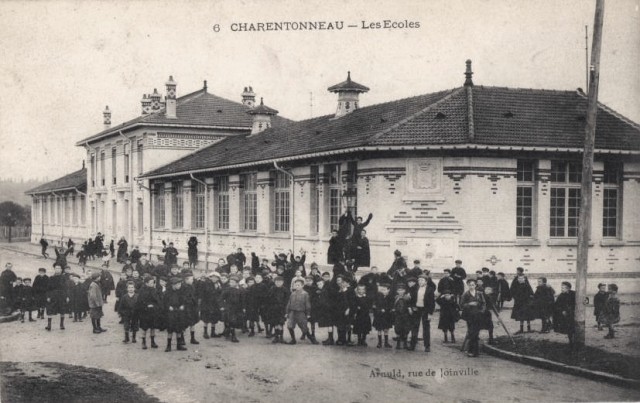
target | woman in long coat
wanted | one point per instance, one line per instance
(522, 295)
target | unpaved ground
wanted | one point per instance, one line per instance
(256, 370)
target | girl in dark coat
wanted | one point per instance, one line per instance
(361, 318)
(177, 321)
(543, 300)
(522, 295)
(383, 313)
(322, 309)
(563, 312)
(208, 290)
(277, 298)
(233, 305)
(449, 314)
(148, 310)
(251, 303)
(40, 285)
(191, 305)
(193, 252)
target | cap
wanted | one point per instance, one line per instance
(416, 261)
(447, 270)
(95, 275)
(175, 280)
(485, 269)
(278, 278)
(458, 261)
(424, 276)
(326, 273)
(397, 252)
(412, 279)
(601, 285)
(446, 291)
(249, 279)
(42, 270)
(401, 286)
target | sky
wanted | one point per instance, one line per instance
(61, 62)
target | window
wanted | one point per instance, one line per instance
(334, 195)
(611, 197)
(197, 206)
(158, 206)
(59, 211)
(102, 168)
(45, 212)
(139, 146)
(140, 218)
(525, 177)
(177, 205)
(82, 210)
(126, 163)
(92, 167)
(113, 165)
(565, 198)
(222, 205)
(249, 185)
(281, 195)
(314, 194)
(35, 211)
(74, 211)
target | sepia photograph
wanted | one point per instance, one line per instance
(319, 201)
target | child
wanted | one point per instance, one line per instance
(298, 311)
(106, 258)
(208, 291)
(311, 288)
(611, 311)
(473, 311)
(40, 284)
(502, 291)
(17, 290)
(362, 319)
(148, 310)
(95, 303)
(344, 311)
(57, 296)
(382, 314)
(563, 313)
(543, 300)
(487, 320)
(598, 303)
(402, 320)
(233, 308)
(176, 316)
(296, 277)
(191, 305)
(78, 296)
(449, 314)
(27, 299)
(261, 290)
(276, 307)
(251, 302)
(128, 313)
(522, 294)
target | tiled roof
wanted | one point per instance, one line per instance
(262, 109)
(198, 109)
(348, 85)
(501, 117)
(77, 179)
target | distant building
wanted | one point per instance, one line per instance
(490, 175)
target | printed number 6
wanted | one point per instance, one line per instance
(216, 28)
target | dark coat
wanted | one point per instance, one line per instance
(177, 317)
(192, 250)
(362, 252)
(383, 311)
(403, 319)
(445, 283)
(277, 300)
(345, 299)
(149, 308)
(106, 282)
(61, 257)
(123, 246)
(598, 302)
(473, 313)
(429, 301)
(449, 312)
(191, 303)
(170, 256)
(610, 314)
(563, 312)
(40, 290)
(522, 294)
(298, 265)
(135, 256)
(458, 274)
(322, 306)
(503, 291)
(543, 300)
(25, 300)
(233, 302)
(208, 293)
(251, 303)
(335, 253)
(362, 317)
(398, 262)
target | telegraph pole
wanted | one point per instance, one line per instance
(584, 223)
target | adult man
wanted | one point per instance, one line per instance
(7, 278)
(424, 302)
(170, 254)
(458, 275)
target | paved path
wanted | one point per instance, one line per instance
(256, 370)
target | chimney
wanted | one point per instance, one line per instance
(468, 74)
(248, 97)
(261, 117)
(156, 103)
(146, 104)
(170, 111)
(106, 114)
(348, 94)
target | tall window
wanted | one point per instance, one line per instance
(83, 207)
(36, 212)
(139, 146)
(158, 206)
(113, 166)
(565, 198)
(140, 218)
(525, 176)
(45, 212)
(281, 197)
(197, 206)
(102, 168)
(59, 211)
(74, 211)
(92, 167)
(334, 195)
(126, 163)
(177, 205)
(249, 184)
(314, 194)
(222, 205)
(611, 197)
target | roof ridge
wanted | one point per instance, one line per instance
(179, 102)
(612, 111)
(416, 114)
(523, 89)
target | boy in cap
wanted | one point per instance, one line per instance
(176, 315)
(298, 311)
(128, 313)
(543, 300)
(40, 285)
(383, 313)
(345, 310)
(362, 318)
(277, 305)
(598, 303)
(148, 309)
(611, 312)
(78, 297)
(502, 290)
(402, 315)
(449, 314)
(25, 296)
(458, 275)
(94, 296)
(208, 291)
(251, 302)
(191, 304)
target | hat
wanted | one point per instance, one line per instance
(568, 284)
(214, 274)
(187, 273)
(416, 261)
(95, 274)
(42, 270)
(249, 279)
(612, 287)
(520, 270)
(446, 291)
(601, 285)
(164, 278)
(327, 273)
(234, 278)
(397, 252)
(485, 269)
(278, 278)
(447, 270)
(458, 261)
(472, 280)
(175, 280)
(401, 286)
(384, 284)
(412, 279)
(424, 276)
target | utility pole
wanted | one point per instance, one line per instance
(586, 56)
(584, 223)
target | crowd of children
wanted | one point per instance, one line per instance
(240, 296)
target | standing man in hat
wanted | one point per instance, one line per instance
(423, 302)
(458, 275)
(7, 278)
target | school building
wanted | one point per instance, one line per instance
(490, 175)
